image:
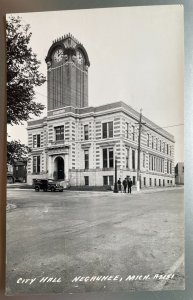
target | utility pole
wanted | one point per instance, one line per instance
(139, 151)
(115, 184)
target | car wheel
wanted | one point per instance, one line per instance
(45, 190)
(37, 188)
(52, 189)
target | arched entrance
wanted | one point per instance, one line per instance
(59, 168)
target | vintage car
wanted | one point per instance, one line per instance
(47, 185)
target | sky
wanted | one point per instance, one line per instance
(136, 56)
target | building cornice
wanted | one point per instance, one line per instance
(116, 107)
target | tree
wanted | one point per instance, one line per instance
(22, 76)
(16, 151)
(22, 73)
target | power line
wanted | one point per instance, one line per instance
(172, 125)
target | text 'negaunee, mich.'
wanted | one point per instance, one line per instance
(120, 278)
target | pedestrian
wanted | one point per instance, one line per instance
(125, 184)
(129, 184)
(119, 184)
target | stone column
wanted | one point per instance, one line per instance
(50, 169)
(66, 167)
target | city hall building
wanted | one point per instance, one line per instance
(78, 144)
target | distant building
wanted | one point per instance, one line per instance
(179, 173)
(17, 172)
(20, 171)
(77, 144)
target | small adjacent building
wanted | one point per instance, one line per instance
(78, 144)
(20, 170)
(179, 173)
(17, 172)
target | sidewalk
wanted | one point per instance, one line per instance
(157, 189)
(19, 185)
(24, 186)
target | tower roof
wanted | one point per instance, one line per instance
(69, 43)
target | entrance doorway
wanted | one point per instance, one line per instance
(59, 168)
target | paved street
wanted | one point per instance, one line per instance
(81, 235)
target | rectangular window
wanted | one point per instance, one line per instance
(150, 182)
(59, 133)
(159, 182)
(110, 180)
(163, 182)
(36, 164)
(143, 159)
(107, 180)
(107, 129)
(155, 182)
(144, 181)
(127, 158)
(170, 150)
(133, 159)
(162, 167)
(152, 142)
(168, 167)
(86, 132)
(160, 146)
(86, 180)
(110, 129)
(167, 147)
(156, 144)
(105, 160)
(147, 139)
(104, 130)
(158, 164)
(86, 159)
(163, 147)
(108, 158)
(134, 180)
(36, 141)
(127, 130)
(133, 133)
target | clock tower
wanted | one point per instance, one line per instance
(67, 73)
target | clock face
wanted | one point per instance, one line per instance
(79, 57)
(58, 55)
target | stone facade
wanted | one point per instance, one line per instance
(78, 144)
(88, 149)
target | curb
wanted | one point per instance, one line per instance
(133, 192)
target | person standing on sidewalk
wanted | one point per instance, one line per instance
(125, 184)
(119, 184)
(129, 184)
